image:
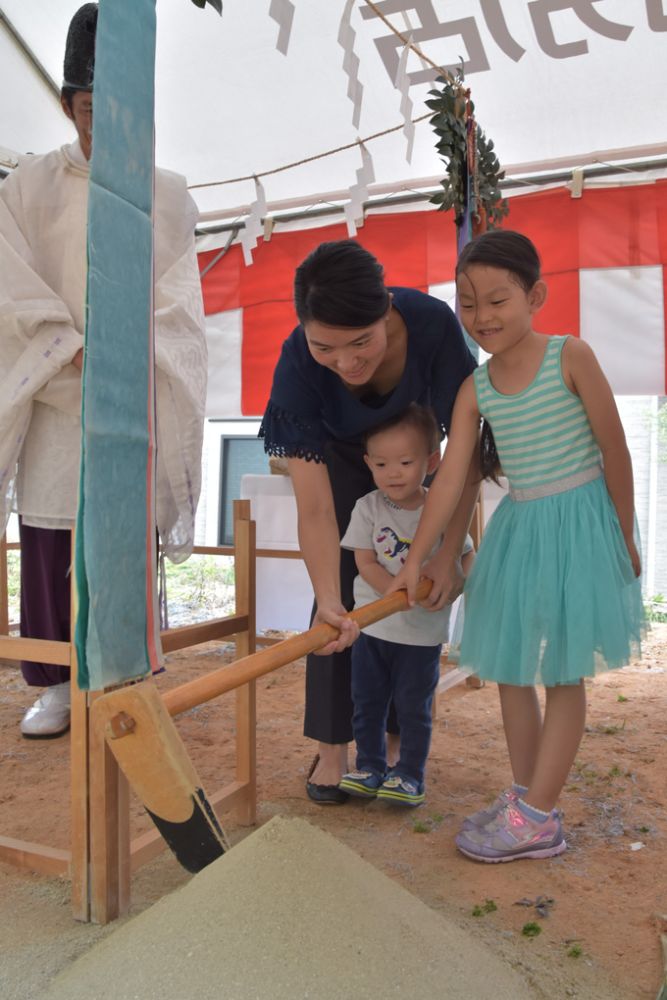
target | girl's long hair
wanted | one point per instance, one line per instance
(508, 251)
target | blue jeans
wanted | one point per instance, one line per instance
(382, 671)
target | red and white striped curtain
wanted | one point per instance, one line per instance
(604, 259)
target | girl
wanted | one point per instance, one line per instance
(554, 594)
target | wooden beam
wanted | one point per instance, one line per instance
(228, 550)
(37, 650)
(193, 635)
(34, 857)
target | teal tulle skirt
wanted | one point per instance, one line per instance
(552, 596)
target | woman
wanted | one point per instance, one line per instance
(361, 354)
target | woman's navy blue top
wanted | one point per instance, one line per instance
(310, 405)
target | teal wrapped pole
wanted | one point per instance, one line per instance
(117, 633)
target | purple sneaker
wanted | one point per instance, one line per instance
(485, 816)
(512, 836)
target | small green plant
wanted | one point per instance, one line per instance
(480, 909)
(621, 698)
(426, 825)
(531, 929)
(615, 771)
(613, 729)
(586, 772)
(202, 587)
(644, 829)
(655, 608)
(574, 951)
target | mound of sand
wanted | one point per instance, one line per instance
(288, 914)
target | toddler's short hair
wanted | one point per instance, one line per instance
(421, 418)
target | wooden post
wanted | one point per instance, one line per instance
(109, 830)
(100, 834)
(246, 696)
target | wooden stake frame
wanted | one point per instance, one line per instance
(102, 856)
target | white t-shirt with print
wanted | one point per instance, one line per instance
(378, 524)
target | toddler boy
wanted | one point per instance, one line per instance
(399, 657)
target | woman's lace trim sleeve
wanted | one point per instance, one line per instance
(301, 451)
(287, 435)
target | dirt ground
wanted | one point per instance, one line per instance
(595, 906)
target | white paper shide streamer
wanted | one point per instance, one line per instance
(354, 210)
(402, 84)
(254, 225)
(346, 37)
(282, 12)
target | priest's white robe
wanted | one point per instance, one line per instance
(43, 216)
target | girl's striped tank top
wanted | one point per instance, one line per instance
(542, 434)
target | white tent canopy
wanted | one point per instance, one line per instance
(552, 82)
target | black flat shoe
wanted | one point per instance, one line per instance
(324, 795)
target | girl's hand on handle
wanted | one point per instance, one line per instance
(406, 579)
(448, 580)
(335, 614)
(444, 495)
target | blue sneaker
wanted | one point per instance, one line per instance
(364, 784)
(400, 791)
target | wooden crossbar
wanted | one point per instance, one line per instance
(35, 857)
(37, 650)
(209, 631)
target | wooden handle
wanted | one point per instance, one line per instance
(248, 668)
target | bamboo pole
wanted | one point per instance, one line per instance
(249, 668)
